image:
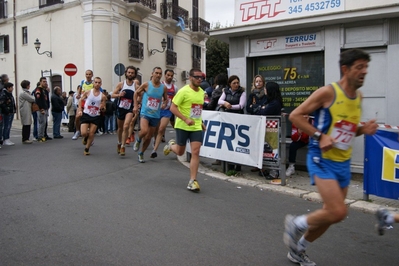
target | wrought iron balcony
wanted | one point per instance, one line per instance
(45, 3)
(171, 58)
(199, 25)
(197, 63)
(171, 13)
(142, 7)
(136, 49)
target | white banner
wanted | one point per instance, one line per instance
(235, 138)
(286, 42)
(258, 11)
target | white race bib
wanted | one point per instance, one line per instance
(344, 133)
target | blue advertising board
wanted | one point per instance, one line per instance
(381, 164)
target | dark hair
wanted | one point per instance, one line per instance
(25, 83)
(273, 92)
(231, 78)
(169, 70)
(41, 78)
(348, 57)
(131, 67)
(157, 67)
(194, 70)
(8, 85)
(221, 80)
(71, 92)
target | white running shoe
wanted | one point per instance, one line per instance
(8, 142)
(290, 171)
(76, 135)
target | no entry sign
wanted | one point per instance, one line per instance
(70, 69)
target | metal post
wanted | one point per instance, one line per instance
(283, 151)
(70, 83)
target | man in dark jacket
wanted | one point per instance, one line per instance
(57, 107)
(42, 102)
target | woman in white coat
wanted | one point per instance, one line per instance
(25, 109)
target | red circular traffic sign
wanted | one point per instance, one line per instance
(70, 69)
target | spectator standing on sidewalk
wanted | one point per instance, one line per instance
(25, 110)
(233, 100)
(71, 111)
(8, 109)
(42, 102)
(337, 109)
(57, 107)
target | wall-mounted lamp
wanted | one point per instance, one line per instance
(37, 46)
(163, 44)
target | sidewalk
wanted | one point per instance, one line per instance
(298, 185)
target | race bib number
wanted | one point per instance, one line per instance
(196, 111)
(153, 103)
(125, 103)
(93, 110)
(344, 133)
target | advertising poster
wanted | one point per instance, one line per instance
(298, 76)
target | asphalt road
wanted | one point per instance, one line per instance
(59, 207)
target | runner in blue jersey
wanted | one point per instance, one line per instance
(151, 93)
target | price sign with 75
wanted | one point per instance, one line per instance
(291, 73)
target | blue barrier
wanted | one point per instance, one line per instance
(381, 165)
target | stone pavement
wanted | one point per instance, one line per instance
(298, 185)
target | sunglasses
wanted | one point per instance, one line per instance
(197, 77)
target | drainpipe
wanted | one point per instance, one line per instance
(15, 59)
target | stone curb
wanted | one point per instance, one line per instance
(306, 195)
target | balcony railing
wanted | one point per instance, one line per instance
(171, 58)
(171, 11)
(197, 63)
(3, 9)
(136, 49)
(45, 3)
(152, 4)
(199, 25)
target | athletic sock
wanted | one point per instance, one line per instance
(302, 244)
(390, 219)
(301, 222)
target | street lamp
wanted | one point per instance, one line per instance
(37, 46)
(163, 44)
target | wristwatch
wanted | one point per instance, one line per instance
(317, 136)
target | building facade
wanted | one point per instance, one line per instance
(297, 43)
(98, 35)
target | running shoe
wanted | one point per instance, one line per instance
(122, 151)
(86, 152)
(301, 258)
(141, 157)
(292, 234)
(127, 142)
(166, 149)
(136, 145)
(153, 154)
(42, 140)
(290, 171)
(382, 225)
(132, 138)
(84, 140)
(118, 148)
(193, 186)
